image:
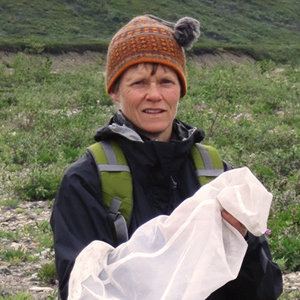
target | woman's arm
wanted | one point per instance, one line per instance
(78, 217)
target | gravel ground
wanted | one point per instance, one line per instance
(23, 276)
(23, 223)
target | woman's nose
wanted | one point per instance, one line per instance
(153, 93)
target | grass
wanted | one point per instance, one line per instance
(17, 296)
(250, 112)
(264, 29)
(25, 296)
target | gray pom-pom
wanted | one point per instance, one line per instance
(186, 32)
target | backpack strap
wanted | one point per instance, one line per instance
(116, 184)
(208, 162)
(116, 179)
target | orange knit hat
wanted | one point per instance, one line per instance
(150, 39)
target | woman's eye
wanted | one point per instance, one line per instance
(138, 82)
(166, 81)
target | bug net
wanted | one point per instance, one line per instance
(187, 255)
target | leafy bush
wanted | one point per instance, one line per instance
(40, 184)
(284, 239)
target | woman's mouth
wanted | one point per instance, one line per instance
(153, 111)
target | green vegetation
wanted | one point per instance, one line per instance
(250, 112)
(17, 296)
(264, 29)
(47, 273)
(14, 256)
(25, 296)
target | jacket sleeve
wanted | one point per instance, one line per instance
(78, 217)
(259, 278)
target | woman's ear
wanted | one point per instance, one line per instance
(114, 96)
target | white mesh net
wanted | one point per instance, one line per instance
(186, 255)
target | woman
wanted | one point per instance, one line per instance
(146, 76)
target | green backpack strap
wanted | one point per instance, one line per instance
(116, 184)
(208, 162)
(116, 179)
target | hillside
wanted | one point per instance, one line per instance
(263, 29)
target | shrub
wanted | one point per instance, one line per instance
(47, 274)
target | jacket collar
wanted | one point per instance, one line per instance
(119, 125)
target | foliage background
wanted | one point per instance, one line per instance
(250, 111)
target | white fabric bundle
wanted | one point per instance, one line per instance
(186, 255)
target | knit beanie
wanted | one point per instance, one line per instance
(148, 39)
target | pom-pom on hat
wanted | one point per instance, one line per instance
(148, 39)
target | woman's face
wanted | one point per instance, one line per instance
(149, 100)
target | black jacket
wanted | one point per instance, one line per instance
(163, 176)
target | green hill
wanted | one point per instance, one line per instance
(263, 29)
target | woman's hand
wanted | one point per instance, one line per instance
(234, 222)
